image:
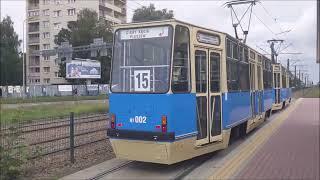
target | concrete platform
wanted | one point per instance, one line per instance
(292, 152)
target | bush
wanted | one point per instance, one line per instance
(13, 154)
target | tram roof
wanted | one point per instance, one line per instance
(167, 21)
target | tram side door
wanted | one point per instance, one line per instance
(260, 93)
(208, 107)
(215, 104)
(276, 84)
(253, 89)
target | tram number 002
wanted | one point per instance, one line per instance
(139, 119)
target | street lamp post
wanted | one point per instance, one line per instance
(23, 62)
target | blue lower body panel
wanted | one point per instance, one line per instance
(285, 94)
(143, 112)
(236, 108)
(268, 96)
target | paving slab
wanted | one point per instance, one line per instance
(292, 152)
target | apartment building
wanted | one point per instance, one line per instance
(45, 18)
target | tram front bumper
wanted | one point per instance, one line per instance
(146, 151)
(168, 152)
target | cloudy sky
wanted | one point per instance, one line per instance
(269, 18)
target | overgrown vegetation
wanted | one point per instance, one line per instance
(13, 152)
(50, 111)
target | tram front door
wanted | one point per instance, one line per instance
(208, 94)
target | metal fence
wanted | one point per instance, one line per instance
(51, 142)
(53, 90)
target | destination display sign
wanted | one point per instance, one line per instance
(276, 68)
(144, 33)
(208, 38)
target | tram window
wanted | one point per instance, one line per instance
(267, 79)
(246, 56)
(241, 58)
(284, 80)
(232, 75)
(215, 72)
(201, 71)
(244, 76)
(151, 55)
(252, 55)
(235, 51)
(202, 125)
(229, 48)
(276, 80)
(259, 78)
(259, 58)
(180, 69)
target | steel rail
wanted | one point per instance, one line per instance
(193, 166)
(68, 148)
(68, 136)
(109, 171)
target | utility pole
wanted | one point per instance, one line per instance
(318, 31)
(23, 63)
(305, 81)
(274, 53)
(295, 76)
(299, 77)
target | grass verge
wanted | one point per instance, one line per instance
(49, 99)
(23, 114)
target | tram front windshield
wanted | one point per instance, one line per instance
(141, 60)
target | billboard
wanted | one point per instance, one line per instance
(65, 88)
(77, 69)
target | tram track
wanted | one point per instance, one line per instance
(42, 126)
(133, 169)
(185, 172)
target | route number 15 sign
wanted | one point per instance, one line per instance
(142, 80)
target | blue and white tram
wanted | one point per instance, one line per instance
(180, 91)
(282, 91)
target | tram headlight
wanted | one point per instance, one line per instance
(113, 121)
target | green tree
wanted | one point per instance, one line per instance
(151, 14)
(82, 32)
(10, 57)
